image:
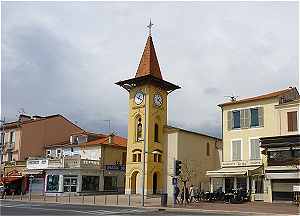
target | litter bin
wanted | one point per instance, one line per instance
(164, 199)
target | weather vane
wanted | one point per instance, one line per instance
(150, 26)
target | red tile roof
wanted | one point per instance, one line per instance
(149, 64)
(260, 97)
(117, 141)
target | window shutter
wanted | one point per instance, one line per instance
(242, 118)
(236, 150)
(247, 118)
(292, 121)
(229, 120)
(261, 116)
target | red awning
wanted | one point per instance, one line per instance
(8, 180)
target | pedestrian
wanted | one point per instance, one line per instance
(187, 195)
(192, 193)
(182, 195)
(176, 193)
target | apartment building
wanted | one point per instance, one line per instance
(244, 122)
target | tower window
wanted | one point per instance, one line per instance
(207, 149)
(137, 157)
(139, 129)
(157, 157)
(156, 133)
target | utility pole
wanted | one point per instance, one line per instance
(144, 152)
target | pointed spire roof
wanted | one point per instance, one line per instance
(149, 64)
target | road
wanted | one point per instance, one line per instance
(26, 208)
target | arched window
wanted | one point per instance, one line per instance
(139, 129)
(137, 155)
(156, 133)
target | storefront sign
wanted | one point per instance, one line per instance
(241, 163)
(115, 167)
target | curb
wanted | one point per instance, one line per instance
(158, 208)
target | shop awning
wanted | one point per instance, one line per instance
(9, 179)
(231, 171)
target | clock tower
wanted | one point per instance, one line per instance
(147, 117)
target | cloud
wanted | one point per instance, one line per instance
(64, 57)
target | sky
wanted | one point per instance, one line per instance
(64, 57)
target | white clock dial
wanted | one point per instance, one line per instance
(158, 100)
(139, 98)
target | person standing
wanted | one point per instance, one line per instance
(176, 193)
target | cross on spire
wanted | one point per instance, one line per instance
(150, 26)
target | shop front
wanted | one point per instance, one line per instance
(234, 175)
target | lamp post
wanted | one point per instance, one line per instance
(144, 153)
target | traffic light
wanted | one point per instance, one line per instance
(177, 167)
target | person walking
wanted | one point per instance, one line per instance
(176, 193)
(192, 193)
(182, 195)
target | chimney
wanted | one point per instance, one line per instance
(110, 138)
(23, 118)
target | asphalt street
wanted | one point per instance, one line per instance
(25, 208)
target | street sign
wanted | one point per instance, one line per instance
(174, 181)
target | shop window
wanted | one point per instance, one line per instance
(90, 183)
(52, 183)
(110, 183)
(70, 183)
(156, 133)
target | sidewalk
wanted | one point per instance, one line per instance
(249, 208)
(244, 208)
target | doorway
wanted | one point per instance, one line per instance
(133, 181)
(154, 183)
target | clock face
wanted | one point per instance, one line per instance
(139, 97)
(158, 100)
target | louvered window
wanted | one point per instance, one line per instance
(254, 117)
(236, 150)
(292, 121)
(255, 150)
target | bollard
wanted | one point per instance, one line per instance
(128, 199)
(117, 199)
(82, 199)
(5, 195)
(105, 199)
(69, 197)
(44, 198)
(55, 197)
(21, 195)
(94, 199)
(29, 195)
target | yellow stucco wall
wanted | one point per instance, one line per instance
(153, 115)
(270, 127)
(282, 111)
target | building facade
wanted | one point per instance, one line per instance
(97, 165)
(282, 152)
(244, 122)
(198, 153)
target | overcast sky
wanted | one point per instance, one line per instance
(65, 57)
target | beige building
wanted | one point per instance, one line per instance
(198, 153)
(244, 122)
